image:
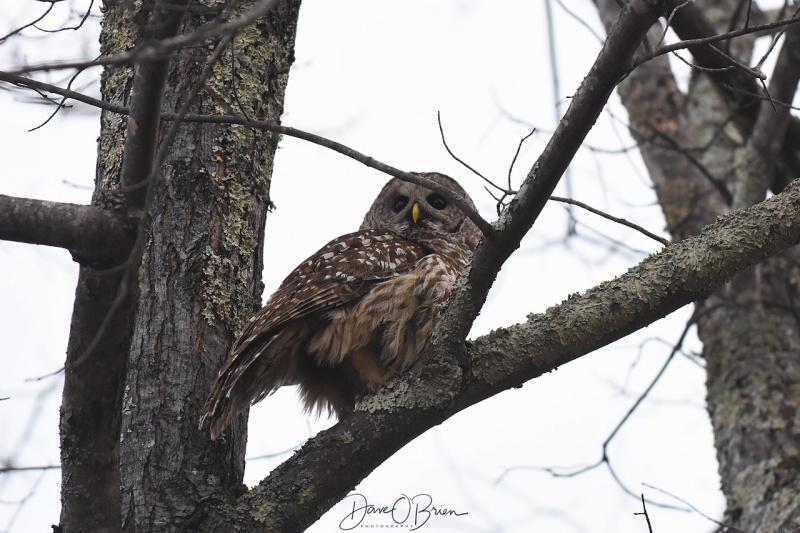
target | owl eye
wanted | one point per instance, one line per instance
(436, 201)
(400, 204)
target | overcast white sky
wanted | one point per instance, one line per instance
(373, 75)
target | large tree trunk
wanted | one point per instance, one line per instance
(702, 164)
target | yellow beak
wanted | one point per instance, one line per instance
(415, 212)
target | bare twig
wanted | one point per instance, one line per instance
(669, 21)
(580, 21)
(510, 190)
(76, 27)
(646, 516)
(12, 469)
(24, 81)
(448, 194)
(451, 196)
(59, 105)
(652, 53)
(161, 49)
(775, 39)
(604, 459)
(454, 156)
(728, 527)
(618, 220)
(28, 25)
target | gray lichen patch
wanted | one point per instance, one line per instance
(434, 388)
(241, 166)
(226, 295)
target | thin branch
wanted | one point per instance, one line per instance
(652, 53)
(26, 82)
(649, 388)
(452, 197)
(728, 527)
(604, 458)
(59, 105)
(12, 469)
(514, 160)
(28, 25)
(618, 220)
(667, 26)
(580, 21)
(646, 516)
(80, 24)
(163, 48)
(454, 156)
(774, 39)
(366, 160)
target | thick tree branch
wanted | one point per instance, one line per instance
(339, 458)
(84, 230)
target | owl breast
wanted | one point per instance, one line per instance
(393, 319)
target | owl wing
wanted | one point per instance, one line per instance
(340, 272)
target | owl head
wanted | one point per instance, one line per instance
(422, 215)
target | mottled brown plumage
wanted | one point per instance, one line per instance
(355, 313)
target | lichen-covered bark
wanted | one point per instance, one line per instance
(751, 343)
(751, 327)
(200, 277)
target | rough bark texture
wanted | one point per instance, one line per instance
(200, 278)
(703, 163)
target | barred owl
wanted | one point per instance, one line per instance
(357, 312)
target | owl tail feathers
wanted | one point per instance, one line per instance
(255, 369)
(220, 417)
(229, 396)
(219, 411)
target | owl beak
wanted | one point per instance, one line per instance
(416, 212)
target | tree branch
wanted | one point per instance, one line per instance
(84, 230)
(340, 457)
(724, 59)
(483, 225)
(607, 216)
(161, 49)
